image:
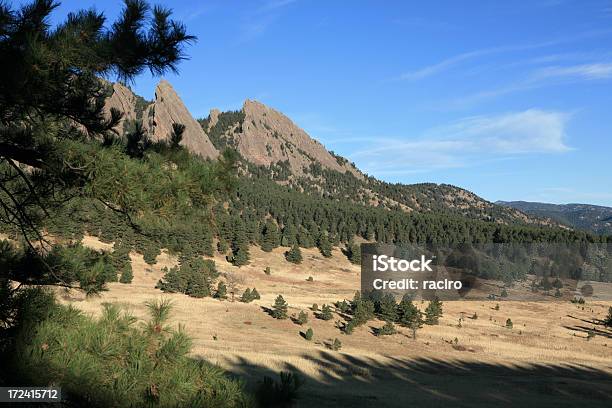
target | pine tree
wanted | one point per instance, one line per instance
(270, 239)
(608, 320)
(386, 330)
(247, 296)
(354, 253)
(255, 294)
(221, 292)
(408, 314)
(279, 309)
(308, 334)
(302, 318)
(324, 245)
(126, 274)
(294, 255)
(326, 313)
(177, 135)
(240, 245)
(433, 312)
(289, 236)
(386, 308)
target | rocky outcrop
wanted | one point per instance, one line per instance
(124, 100)
(268, 137)
(158, 116)
(168, 108)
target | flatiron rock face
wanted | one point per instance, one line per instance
(168, 108)
(268, 137)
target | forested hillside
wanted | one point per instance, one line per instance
(594, 218)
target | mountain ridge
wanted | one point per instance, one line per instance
(594, 218)
(273, 146)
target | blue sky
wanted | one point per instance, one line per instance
(511, 100)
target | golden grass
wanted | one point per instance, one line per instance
(241, 337)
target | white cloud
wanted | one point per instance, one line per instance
(450, 62)
(584, 71)
(467, 142)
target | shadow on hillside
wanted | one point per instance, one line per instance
(598, 327)
(342, 380)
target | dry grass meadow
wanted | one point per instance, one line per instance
(544, 360)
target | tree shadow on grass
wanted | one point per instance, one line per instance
(336, 379)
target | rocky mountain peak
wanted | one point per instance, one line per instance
(269, 137)
(167, 109)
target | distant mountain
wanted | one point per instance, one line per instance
(588, 217)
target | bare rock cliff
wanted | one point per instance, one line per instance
(124, 100)
(268, 137)
(167, 109)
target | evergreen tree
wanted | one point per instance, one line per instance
(326, 313)
(386, 308)
(294, 255)
(408, 314)
(354, 253)
(279, 309)
(221, 292)
(247, 296)
(289, 236)
(270, 239)
(177, 135)
(126, 274)
(255, 294)
(608, 320)
(433, 312)
(240, 245)
(324, 245)
(308, 334)
(302, 318)
(386, 330)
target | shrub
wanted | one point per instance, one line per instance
(315, 307)
(504, 293)
(386, 330)
(308, 334)
(509, 324)
(336, 345)
(302, 318)
(326, 313)
(267, 271)
(310, 279)
(279, 309)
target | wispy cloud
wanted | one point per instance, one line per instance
(584, 71)
(538, 78)
(257, 21)
(467, 142)
(455, 60)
